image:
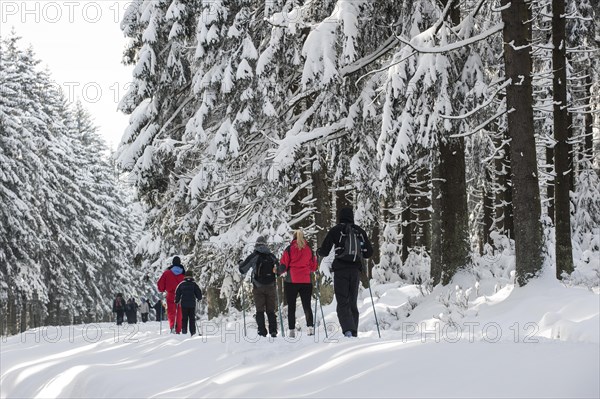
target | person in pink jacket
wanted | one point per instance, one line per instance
(168, 283)
(296, 265)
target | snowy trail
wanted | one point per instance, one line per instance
(228, 366)
(542, 340)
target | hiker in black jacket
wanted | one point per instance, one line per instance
(346, 269)
(186, 294)
(264, 268)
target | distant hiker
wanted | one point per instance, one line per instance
(131, 309)
(351, 246)
(144, 310)
(263, 264)
(296, 265)
(186, 295)
(159, 308)
(168, 283)
(119, 308)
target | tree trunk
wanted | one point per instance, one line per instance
(509, 219)
(437, 237)
(503, 205)
(423, 211)
(407, 225)
(23, 319)
(322, 198)
(562, 149)
(342, 200)
(453, 191)
(11, 317)
(298, 207)
(454, 213)
(588, 142)
(519, 95)
(550, 184)
(488, 208)
(216, 305)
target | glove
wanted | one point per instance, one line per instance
(283, 274)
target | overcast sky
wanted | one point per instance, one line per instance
(81, 44)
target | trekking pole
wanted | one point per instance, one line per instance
(373, 302)
(160, 317)
(198, 331)
(243, 309)
(321, 305)
(176, 314)
(316, 302)
(279, 308)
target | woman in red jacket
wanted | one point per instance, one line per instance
(296, 265)
(168, 282)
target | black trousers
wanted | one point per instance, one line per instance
(144, 317)
(265, 301)
(188, 315)
(120, 314)
(345, 286)
(291, 293)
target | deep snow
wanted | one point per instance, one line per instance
(538, 341)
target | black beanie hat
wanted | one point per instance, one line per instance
(176, 261)
(189, 273)
(346, 215)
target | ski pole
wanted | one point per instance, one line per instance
(373, 302)
(159, 314)
(321, 305)
(279, 308)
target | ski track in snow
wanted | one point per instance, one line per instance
(560, 357)
(161, 366)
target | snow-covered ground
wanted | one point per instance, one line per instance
(538, 341)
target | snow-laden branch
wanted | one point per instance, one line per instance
(389, 44)
(438, 24)
(456, 45)
(482, 125)
(293, 194)
(482, 105)
(283, 156)
(384, 68)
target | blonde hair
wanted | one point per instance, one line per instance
(300, 240)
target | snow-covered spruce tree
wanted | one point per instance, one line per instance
(582, 49)
(20, 221)
(334, 115)
(159, 32)
(421, 104)
(516, 16)
(312, 105)
(113, 222)
(563, 149)
(200, 167)
(49, 235)
(583, 85)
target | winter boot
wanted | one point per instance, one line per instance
(272, 323)
(260, 320)
(311, 331)
(348, 334)
(292, 333)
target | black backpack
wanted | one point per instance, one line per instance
(350, 245)
(263, 272)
